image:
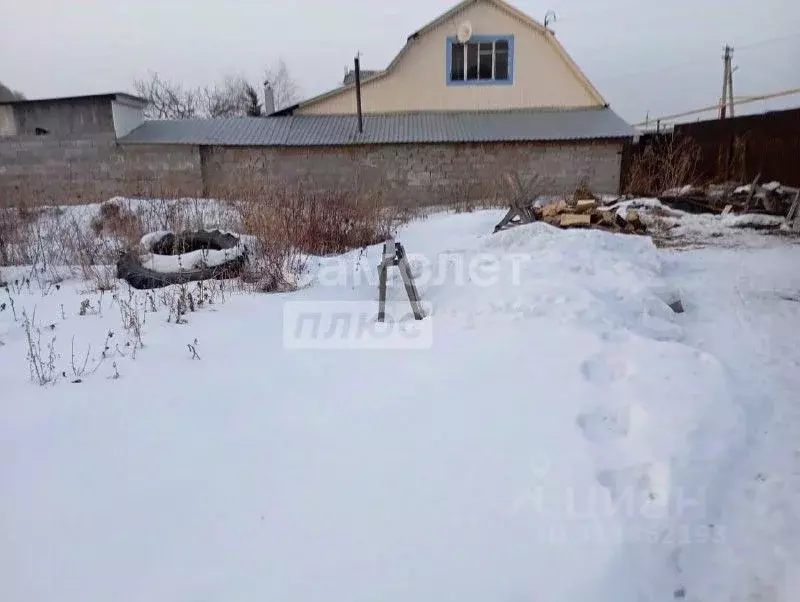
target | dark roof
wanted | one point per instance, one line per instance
(428, 127)
(121, 96)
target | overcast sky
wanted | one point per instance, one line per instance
(658, 56)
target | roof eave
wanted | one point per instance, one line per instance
(116, 96)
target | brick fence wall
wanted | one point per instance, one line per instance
(414, 174)
(45, 170)
(95, 168)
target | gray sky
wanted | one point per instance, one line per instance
(646, 55)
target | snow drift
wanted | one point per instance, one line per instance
(547, 445)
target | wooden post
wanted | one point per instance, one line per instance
(730, 84)
(724, 99)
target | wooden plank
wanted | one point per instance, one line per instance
(554, 209)
(751, 194)
(575, 220)
(585, 206)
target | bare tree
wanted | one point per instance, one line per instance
(167, 100)
(225, 99)
(7, 94)
(171, 100)
(284, 88)
(253, 107)
(233, 96)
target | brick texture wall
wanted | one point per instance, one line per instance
(94, 168)
(417, 174)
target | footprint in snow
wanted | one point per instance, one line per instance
(604, 424)
(605, 369)
(645, 485)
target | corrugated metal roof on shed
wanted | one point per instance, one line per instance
(337, 130)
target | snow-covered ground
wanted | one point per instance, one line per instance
(553, 431)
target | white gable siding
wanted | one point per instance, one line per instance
(419, 81)
(126, 117)
(8, 126)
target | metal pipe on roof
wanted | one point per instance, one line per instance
(358, 95)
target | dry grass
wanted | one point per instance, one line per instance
(663, 165)
(282, 226)
(289, 223)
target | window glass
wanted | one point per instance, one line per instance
(457, 62)
(472, 61)
(485, 66)
(501, 66)
(480, 60)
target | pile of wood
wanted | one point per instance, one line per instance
(582, 210)
(577, 213)
(771, 198)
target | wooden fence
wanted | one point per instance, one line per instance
(735, 149)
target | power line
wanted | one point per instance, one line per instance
(681, 63)
(667, 67)
(716, 106)
(768, 41)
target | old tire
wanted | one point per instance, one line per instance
(130, 268)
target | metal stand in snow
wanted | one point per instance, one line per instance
(793, 217)
(395, 255)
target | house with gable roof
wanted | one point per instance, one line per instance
(481, 55)
(481, 91)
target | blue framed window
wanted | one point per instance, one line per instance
(483, 61)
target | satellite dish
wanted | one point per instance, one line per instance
(464, 32)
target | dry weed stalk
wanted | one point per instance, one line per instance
(42, 367)
(285, 224)
(663, 165)
(133, 314)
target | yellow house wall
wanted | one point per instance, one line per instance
(419, 83)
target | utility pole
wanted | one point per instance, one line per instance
(727, 84)
(730, 82)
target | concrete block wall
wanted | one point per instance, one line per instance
(94, 168)
(421, 174)
(75, 118)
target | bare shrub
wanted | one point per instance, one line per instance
(662, 165)
(284, 224)
(583, 190)
(133, 314)
(113, 219)
(87, 365)
(459, 196)
(21, 238)
(41, 362)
